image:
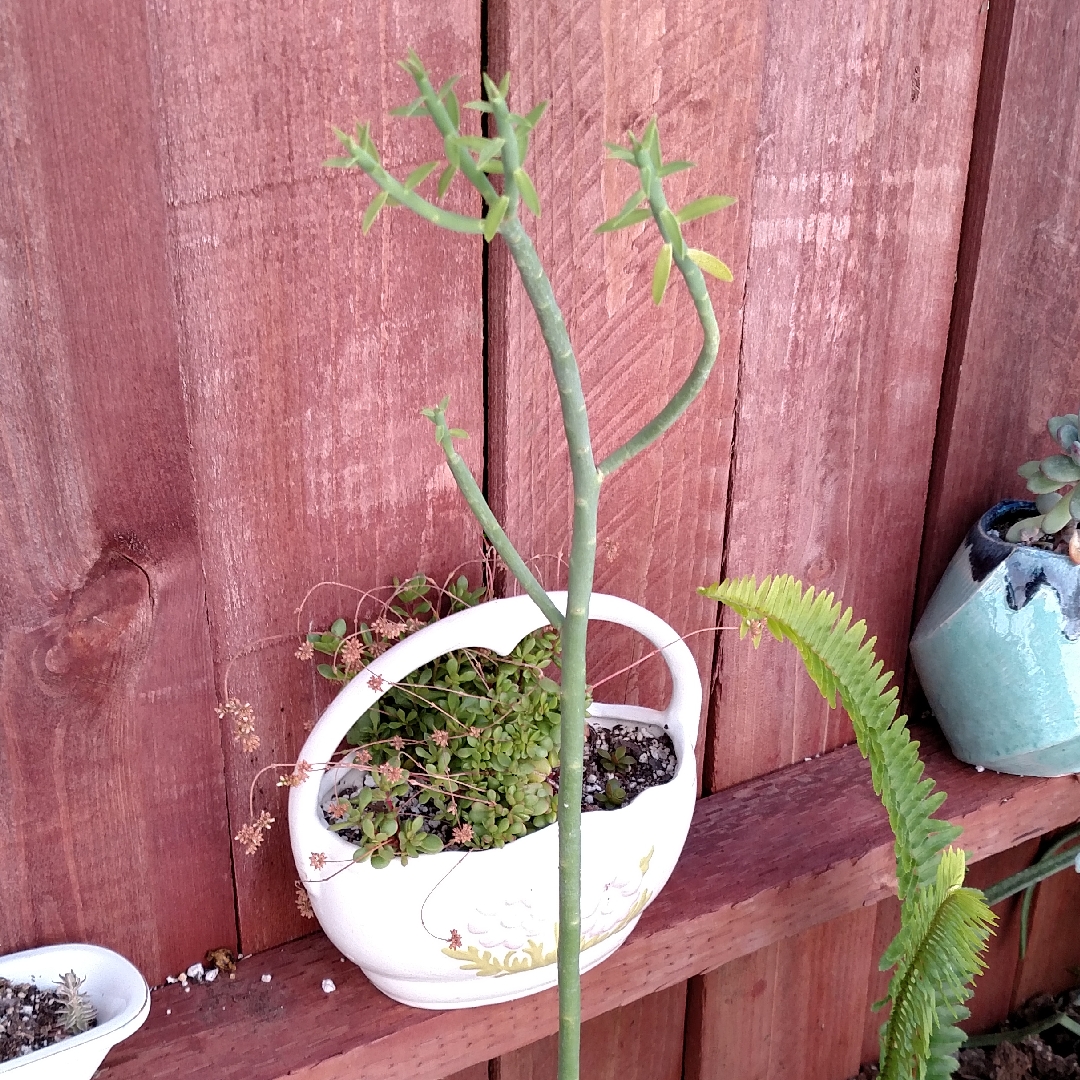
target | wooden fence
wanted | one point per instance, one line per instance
(211, 386)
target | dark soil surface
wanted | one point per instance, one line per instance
(29, 1019)
(1050, 1054)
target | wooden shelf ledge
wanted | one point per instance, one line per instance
(764, 861)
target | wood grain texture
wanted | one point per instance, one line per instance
(607, 68)
(307, 350)
(864, 133)
(1052, 963)
(765, 861)
(643, 1039)
(114, 817)
(753, 1027)
(1012, 361)
(473, 1072)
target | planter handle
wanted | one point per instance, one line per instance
(477, 627)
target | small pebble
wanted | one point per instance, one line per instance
(807, 759)
(328, 986)
(267, 978)
(168, 1012)
(980, 768)
(211, 975)
(195, 971)
(187, 989)
(171, 979)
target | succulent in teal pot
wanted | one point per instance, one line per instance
(998, 648)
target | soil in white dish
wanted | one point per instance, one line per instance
(29, 1019)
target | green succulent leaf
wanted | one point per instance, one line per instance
(418, 176)
(1074, 503)
(1056, 423)
(668, 219)
(1030, 469)
(661, 273)
(1045, 503)
(1026, 525)
(494, 217)
(339, 628)
(1057, 518)
(711, 264)
(674, 167)
(528, 192)
(372, 212)
(414, 108)
(478, 106)
(619, 153)
(446, 177)
(532, 117)
(452, 147)
(339, 163)
(452, 108)
(700, 207)
(624, 219)
(1041, 484)
(1061, 468)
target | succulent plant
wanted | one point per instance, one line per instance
(77, 1014)
(1053, 482)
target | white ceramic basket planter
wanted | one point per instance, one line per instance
(115, 988)
(401, 924)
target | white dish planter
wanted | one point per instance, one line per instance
(400, 924)
(114, 986)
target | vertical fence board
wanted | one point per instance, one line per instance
(110, 763)
(865, 130)
(1012, 357)
(786, 1010)
(644, 1039)
(307, 350)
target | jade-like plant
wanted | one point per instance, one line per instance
(1053, 482)
(494, 164)
(943, 926)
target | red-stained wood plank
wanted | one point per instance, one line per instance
(754, 1028)
(864, 128)
(886, 927)
(114, 817)
(1012, 356)
(608, 68)
(308, 350)
(765, 861)
(1052, 963)
(643, 1039)
(474, 1072)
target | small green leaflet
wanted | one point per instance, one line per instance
(418, 176)
(700, 207)
(1057, 518)
(414, 108)
(621, 221)
(445, 179)
(339, 628)
(668, 219)
(674, 167)
(452, 111)
(494, 218)
(710, 264)
(372, 212)
(337, 163)
(451, 144)
(661, 273)
(504, 84)
(478, 106)
(618, 152)
(532, 118)
(632, 202)
(528, 192)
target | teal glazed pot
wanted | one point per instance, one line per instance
(998, 652)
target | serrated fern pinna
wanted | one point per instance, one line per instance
(944, 926)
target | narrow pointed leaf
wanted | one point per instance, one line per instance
(668, 218)
(621, 221)
(478, 106)
(490, 87)
(674, 167)
(651, 141)
(452, 146)
(418, 176)
(372, 212)
(414, 108)
(632, 203)
(493, 166)
(494, 218)
(618, 152)
(445, 179)
(504, 84)
(338, 162)
(711, 264)
(522, 139)
(532, 117)
(344, 138)
(661, 273)
(491, 149)
(448, 86)
(700, 207)
(528, 192)
(452, 108)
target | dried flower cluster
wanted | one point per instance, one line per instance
(243, 718)
(250, 836)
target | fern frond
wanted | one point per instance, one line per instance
(937, 953)
(843, 666)
(944, 926)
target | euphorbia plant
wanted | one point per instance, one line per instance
(501, 154)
